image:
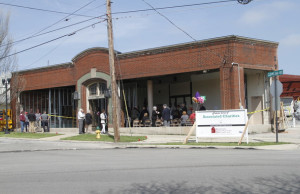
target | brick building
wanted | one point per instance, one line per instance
(229, 71)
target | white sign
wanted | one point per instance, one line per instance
(221, 123)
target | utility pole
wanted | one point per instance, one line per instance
(114, 93)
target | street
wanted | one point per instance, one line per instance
(150, 171)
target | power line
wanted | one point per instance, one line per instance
(69, 34)
(64, 17)
(52, 31)
(37, 33)
(170, 21)
(172, 7)
(47, 53)
(217, 54)
(45, 10)
(89, 10)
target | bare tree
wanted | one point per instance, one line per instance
(7, 61)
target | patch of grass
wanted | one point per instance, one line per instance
(28, 135)
(227, 143)
(108, 138)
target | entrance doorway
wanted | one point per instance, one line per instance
(96, 105)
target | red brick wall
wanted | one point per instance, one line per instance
(54, 77)
(183, 58)
(98, 60)
(190, 58)
(255, 56)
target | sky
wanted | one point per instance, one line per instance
(273, 20)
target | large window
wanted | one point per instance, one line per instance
(58, 102)
(97, 89)
(93, 89)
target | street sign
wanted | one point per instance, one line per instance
(275, 73)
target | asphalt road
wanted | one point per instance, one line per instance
(150, 171)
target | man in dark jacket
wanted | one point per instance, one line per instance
(166, 116)
(32, 120)
(88, 122)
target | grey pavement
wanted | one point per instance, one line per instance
(148, 171)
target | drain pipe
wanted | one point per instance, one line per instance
(240, 103)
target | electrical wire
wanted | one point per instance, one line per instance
(38, 33)
(217, 54)
(88, 10)
(49, 52)
(69, 34)
(52, 30)
(64, 17)
(207, 3)
(45, 10)
(172, 7)
(170, 21)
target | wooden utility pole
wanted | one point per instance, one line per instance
(114, 93)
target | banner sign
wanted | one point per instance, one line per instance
(221, 123)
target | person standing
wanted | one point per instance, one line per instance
(45, 121)
(32, 120)
(81, 117)
(155, 114)
(38, 120)
(103, 118)
(88, 122)
(22, 121)
(26, 122)
(166, 116)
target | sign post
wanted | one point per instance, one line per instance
(275, 74)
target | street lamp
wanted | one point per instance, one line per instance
(6, 82)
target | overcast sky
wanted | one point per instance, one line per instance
(273, 20)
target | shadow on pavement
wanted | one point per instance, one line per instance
(289, 184)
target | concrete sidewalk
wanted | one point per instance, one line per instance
(291, 135)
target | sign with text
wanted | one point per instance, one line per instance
(275, 73)
(221, 123)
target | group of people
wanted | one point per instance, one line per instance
(33, 122)
(85, 121)
(179, 112)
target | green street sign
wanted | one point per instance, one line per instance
(275, 73)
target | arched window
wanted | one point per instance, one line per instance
(97, 89)
(93, 89)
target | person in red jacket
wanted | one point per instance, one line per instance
(22, 121)
(193, 117)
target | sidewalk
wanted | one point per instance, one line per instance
(291, 135)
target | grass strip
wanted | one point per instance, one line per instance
(27, 135)
(226, 143)
(104, 137)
